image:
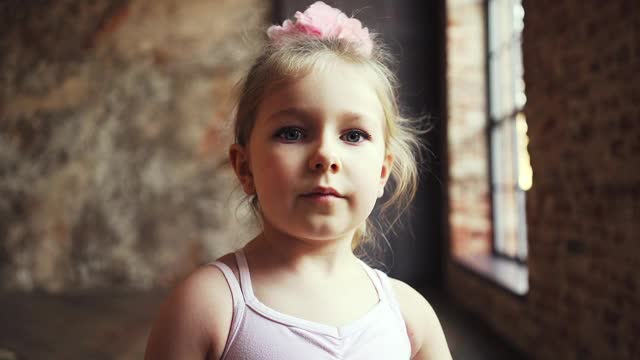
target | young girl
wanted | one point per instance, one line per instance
(318, 135)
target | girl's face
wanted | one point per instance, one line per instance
(316, 156)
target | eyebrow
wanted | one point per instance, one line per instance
(309, 115)
(290, 111)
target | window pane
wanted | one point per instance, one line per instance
(519, 87)
(506, 91)
(506, 228)
(522, 249)
(505, 21)
(494, 26)
(511, 172)
(494, 83)
(518, 16)
(505, 203)
(503, 159)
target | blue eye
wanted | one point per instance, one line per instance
(355, 136)
(289, 134)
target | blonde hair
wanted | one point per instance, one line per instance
(298, 57)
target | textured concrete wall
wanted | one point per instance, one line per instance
(582, 66)
(113, 139)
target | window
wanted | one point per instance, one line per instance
(511, 173)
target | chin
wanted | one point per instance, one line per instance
(321, 232)
(320, 228)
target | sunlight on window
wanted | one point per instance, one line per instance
(525, 172)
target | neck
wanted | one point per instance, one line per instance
(277, 250)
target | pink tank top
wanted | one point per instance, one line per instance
(259, 332)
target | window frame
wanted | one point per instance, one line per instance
(494, 122)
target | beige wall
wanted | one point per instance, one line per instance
(113, 139)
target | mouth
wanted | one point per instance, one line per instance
(323, 192)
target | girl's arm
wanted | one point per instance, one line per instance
(425, 333)
(194, 321)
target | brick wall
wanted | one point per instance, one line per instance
(113, 139)
(582, 66)
(466, 130)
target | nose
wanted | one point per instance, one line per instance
(325, 157)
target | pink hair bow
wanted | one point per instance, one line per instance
(325, 22)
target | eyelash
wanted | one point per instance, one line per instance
(363, 135)
(280, 134)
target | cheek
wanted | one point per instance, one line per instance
(275, 167)
(365, 173)
(368, 164)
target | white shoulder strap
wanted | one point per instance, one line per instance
(238, 303)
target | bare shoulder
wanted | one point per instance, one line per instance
(194, 320)
(424, 329)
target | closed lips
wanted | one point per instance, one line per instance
(323, 192)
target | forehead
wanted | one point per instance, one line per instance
(332, 91)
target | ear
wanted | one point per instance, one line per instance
(387, 165)
(239, 159)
